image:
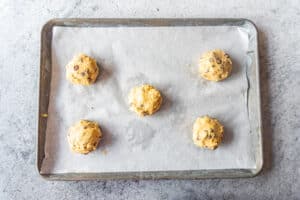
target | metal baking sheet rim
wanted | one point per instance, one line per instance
(44, 88)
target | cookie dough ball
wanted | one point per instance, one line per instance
(84, 136)
(207, 132)
(82, 70)
(144, 100)
(215, 65)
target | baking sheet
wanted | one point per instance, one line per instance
(166, 57)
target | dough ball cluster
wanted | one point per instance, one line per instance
(84, 136)
(215, 65)
(207, 132)
(144, 100)
(82, 70)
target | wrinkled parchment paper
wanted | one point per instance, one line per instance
(166, 57)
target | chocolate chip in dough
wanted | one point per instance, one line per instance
(76, 67)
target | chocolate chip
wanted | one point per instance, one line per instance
(226, 55)
(85, 127)
(218, 61)
(82, 73)
(144, 113)
(76, 67)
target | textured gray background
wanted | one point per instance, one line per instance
(279, 26)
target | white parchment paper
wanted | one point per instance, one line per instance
(166, 57)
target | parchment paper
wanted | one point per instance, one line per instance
(166, 57)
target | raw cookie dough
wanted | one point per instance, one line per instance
(84, 136)
(82, 70)
(215, 65)
(144, 100)
(207, 132)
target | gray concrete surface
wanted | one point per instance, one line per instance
(279, 28)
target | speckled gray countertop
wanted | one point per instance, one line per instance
(279, 30)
